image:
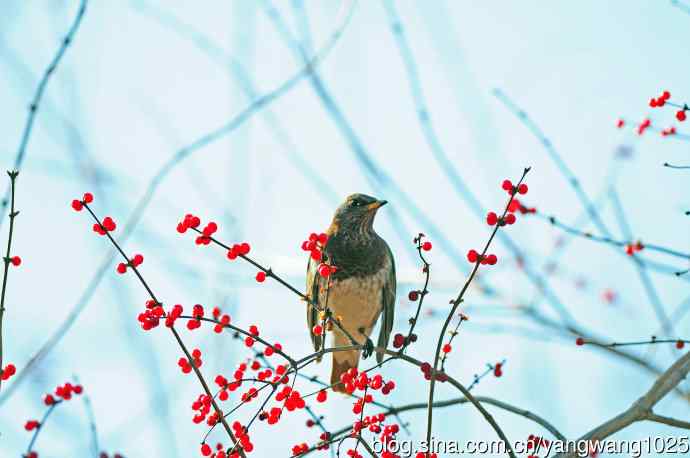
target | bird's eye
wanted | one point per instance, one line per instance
(356, 203)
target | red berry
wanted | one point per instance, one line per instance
(426, 246)
(413, 296)
(507, 185)
(317, 330)
(491, 218)
(77, 205)
(472, 256)
(491, 259)
(620, 123)
(509, 218)
(680, 115)
(321, 396)
(261, 276)
(108, 224)
(206, 450)
(324, 270)
(653, 103)
(447, 348)
(579, 341)
(121, 268)
(665, 95)
(137, 259)
(680, 344)
(16, 260)
(522, 189)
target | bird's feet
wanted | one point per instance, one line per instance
(368, 348)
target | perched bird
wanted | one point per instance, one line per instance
(361, 288)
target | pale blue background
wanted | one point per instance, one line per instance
(135, 88)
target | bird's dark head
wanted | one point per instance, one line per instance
(357, 213)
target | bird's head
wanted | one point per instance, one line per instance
(357, 213)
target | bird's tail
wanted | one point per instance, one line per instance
(342, 362)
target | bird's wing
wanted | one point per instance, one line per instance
(313, 280)
(387, 307)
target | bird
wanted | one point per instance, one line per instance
(362, 284)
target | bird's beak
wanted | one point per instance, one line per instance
(376, 205)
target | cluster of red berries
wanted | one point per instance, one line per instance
(299, 449)
(206, 233)
(355, 380)
(207, 451)
(507, 186)
(644, 125)
(399, 340)
(64, 392)
(189, 221)
(426, 368)
(77, 204)
(30, 425)
(632, 248)
(202, 406)
(238, 249)
(222, 320)
(108, 225)
(668, 131)
(136, 261)
(291, 399)
(150, 317)
(370, 422)
(249, 340)
(197, 314)
(473, 257)
(7, 372)
(186, 365)
(67, 390)
(315, 244)
(656, 102)
(242, 437)
(492, 219)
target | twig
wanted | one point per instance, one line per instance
(7, 259)
(38, 95)
(455, 303)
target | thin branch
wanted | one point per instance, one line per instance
(38, 95)
(7, 259)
